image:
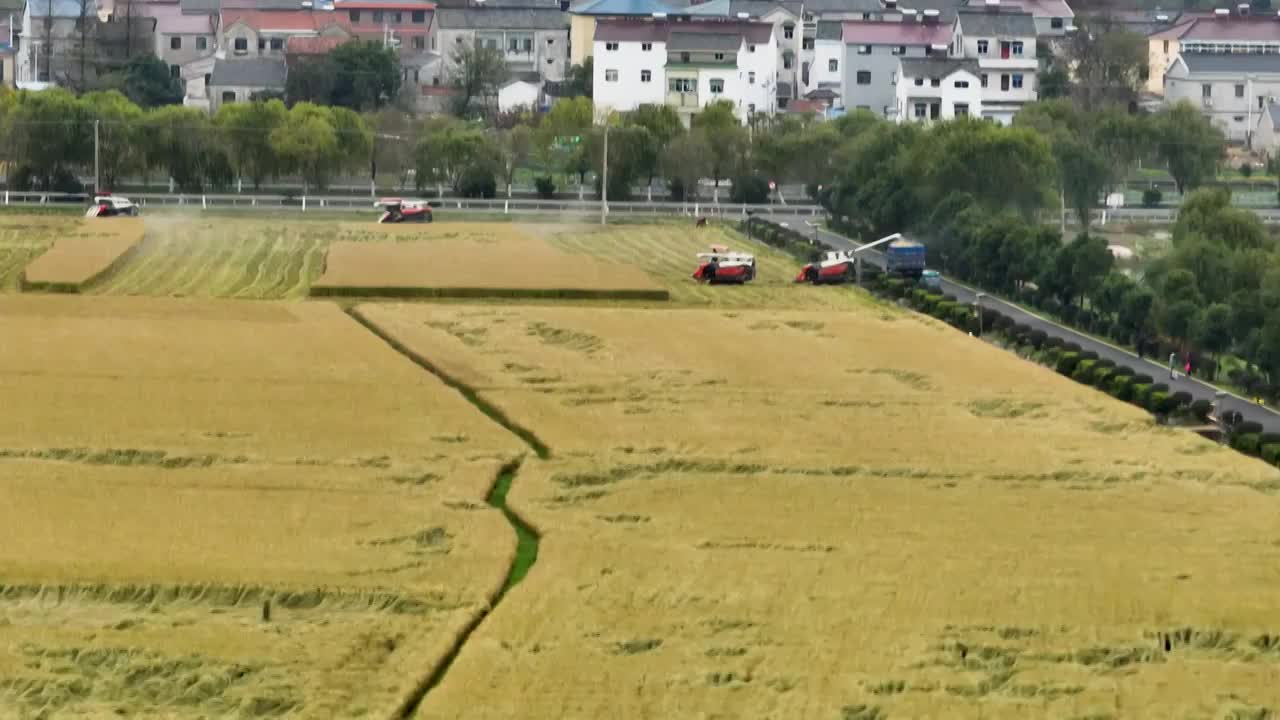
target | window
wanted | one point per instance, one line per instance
(864, 77)
(1017, 80)
(983, 47)
(175, 72)
(982, 80)
(527, 45)
(788, 59)
(1239, 91)
(419, 43)
(355, 15)
(864, 49)
(684, 57)
(921, 110)
(1004, 82)
(1017, 48)
(962, 110)
(377, 16)
(397, 18)
(680, 85)
(611, 76)
(242, 44)
(229, 96)
(175, 43)
(418, 17)
(900, 50)
(751, 107)
(646, 76)
(962, 83)
(935, 109)
(207, 78)
(920, 82)
(277, 43)
(751, 78)
(646, 46)
(935, 82)
(719, 56)
(551, 41)
(717, 86)
(513, 44)
(806, 44)
(1206, 90)
(833, 65)
(751, 48)
(202, 43)
(611, 46)
(262, 43)
(788, 31)
(1238, 118)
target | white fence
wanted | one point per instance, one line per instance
(305, 203)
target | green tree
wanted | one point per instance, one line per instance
(558, 141)
(686, 161)
(1268, 347)
(246, 131)
(1188, 143)
(355, 141)
(148, 84)
(366, 75)
(1135, 309)
(449, 150)
(310, 80)
(1212, 330)
(968, 153)
(725, 136)
(306, 143)
(1109, 62)
(515, 145)
(1178, 320)
(477, 73)
(180, 141)
(580, 79)
(119, 135)
(395, 134)
(663, 124)
(50, 134)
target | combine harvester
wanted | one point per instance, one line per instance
(723, 266)
(108, 205)
(903, 257)
(395, 210)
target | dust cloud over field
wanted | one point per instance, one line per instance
(176, 472)
(837, 515)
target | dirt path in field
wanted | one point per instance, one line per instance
(527, 539)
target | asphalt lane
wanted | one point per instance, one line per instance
(1269, 419)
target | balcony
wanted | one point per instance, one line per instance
(682, 99)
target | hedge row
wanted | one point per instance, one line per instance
(787, 240)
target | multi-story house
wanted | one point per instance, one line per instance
(9, 43)
(1052, 17)
(1231, 89)
(264, 33)
(181, 38)
(938, 88)
(686, 65)
(873, 51)
(1004, 44)
(532, 40)
(1225, 31)
(584, 15)
(50, 46)
(238, 80)
(405, 24)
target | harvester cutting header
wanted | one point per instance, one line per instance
(723, 266)
(395, 210)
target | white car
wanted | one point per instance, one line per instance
(111, 206)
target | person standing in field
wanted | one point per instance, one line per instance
(1173, 359)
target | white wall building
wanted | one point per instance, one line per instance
(938, 88)
(685, 65)
(521, 92)
(1004, 44)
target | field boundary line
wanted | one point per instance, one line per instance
(493, 412)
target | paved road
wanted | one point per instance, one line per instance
(1269, 419)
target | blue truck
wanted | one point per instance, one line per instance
(905, 258)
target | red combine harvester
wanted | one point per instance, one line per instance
(835, 267)
(723, 266)
(108, 205)
(395, 210)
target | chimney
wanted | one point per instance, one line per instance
(1244, 9)
(931, 16)
(993, 5)
(890, 4)
(1221, 12)
(908, 15)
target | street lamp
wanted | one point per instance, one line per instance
(977, 306)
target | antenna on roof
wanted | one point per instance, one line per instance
(1221, 12)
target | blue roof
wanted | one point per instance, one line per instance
(714, 7)
(623, 7)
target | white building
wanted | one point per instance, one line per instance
(685, 65)
(938, 88)
(521, 92)
(1004, 44)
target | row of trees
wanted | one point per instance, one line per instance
(47, 138)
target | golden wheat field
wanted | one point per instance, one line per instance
(169, 466)
(474, 260)
(783, 514)
(94, 247)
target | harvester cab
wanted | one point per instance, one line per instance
(395, 210)
(836, 266)
(723, 266)
(108, 205)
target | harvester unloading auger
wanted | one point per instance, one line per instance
(903, 257)
(723, 266)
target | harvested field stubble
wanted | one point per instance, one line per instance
(75, 262)
(197, 502)
(804, 516)
(493, 260)
(24, 237)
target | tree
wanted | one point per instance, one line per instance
(50, 134)
(1212, 330)
(1122, 139)
(395, 134)
(1109, 62)
(725, 137)
(310, 80)
(1054, 82)
(355, 141)
(686, 161)
(1085, 174)
(968, 153)
(663, 124)
(306, 143)
(246, 131)
(119, 135)
(1090, 263)
(1178, 319)
(580, 79)
(1268, 351)
(558, 139)
(148, 82)
(478, 72)
(1188, 143)
(515, 145)
(179, 141)
(366, 75)
(1135, 309)
(449, 150)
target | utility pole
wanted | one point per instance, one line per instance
(604, 176)
(96, 186)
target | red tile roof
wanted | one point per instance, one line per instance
(404, 5)
(1172, 33)
(857, 32)
(807, 106)
(1235, 28)
(283, 19)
